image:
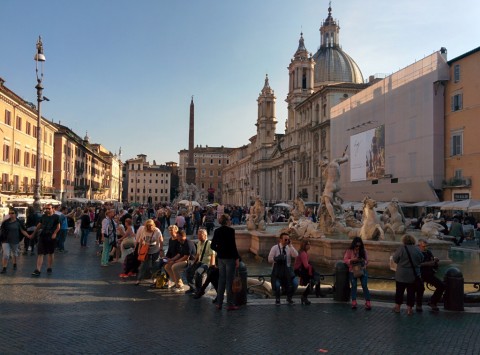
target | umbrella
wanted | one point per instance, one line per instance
(283, 205)
(440, 204)
(460, 205)
(26, 200)
(50, 201)
(187, 202)
(423, 204)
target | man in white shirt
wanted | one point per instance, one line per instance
(282, 272)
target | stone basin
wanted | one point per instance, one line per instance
(327, 251)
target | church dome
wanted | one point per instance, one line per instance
(332, 64)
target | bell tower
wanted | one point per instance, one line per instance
(266, 120)
(301, 72)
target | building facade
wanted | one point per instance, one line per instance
(394, 131)
(279, 167)
(18, 134)
(462, 110)
(209, 164)
(147, 183)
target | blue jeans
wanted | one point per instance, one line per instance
(290, 285)
(84, 236)
(226, 268)
(363, 280)
(105, 252)
(61, 237)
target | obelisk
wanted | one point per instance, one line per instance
(190, 178)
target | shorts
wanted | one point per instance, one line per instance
(10, 249)
(46, 245)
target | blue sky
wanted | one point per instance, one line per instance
(125, 70)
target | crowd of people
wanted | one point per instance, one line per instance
(135, 238)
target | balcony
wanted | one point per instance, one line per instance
(457, 182)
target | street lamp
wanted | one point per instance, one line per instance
(39, 60)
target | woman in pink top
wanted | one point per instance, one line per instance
(357, 255)
(304, 270)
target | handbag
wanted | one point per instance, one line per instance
(358, 270)
(143, 252)
(237, 283)
(393, 264)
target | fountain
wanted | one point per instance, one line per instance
(330, 237)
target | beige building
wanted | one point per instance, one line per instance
(462, 110)
(209, 164)
(147, 183)
(18, 134)
(394, 131)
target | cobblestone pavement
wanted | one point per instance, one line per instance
(84, 308)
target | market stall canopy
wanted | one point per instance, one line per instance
(283, 205)
(464, 205)
(78, 200)
(52, 201)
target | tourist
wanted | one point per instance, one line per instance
(12, 232)
(180, 221)
(62, 233)
(356, 257)
(109, 235)
(126, 239)
(223, 243)
(204, 258)
(31, 222)
(209, 220)
(212, 277)
(456, 230)
(151, 236)
(283, 276)
(185, 250)
(428, 268)
(304, 270)
(84, 227)
(408, 259)
(49, 225)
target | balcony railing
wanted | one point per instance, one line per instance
(458, 182)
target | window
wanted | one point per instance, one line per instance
(211, 173)
(16, 156)
(456, 73)
(458, 173)
(18, 123)
(457, 102)
(6, 152)
(34, 161)
(8, 117)
(457, 143)
(26, 159)
(35, 131)
(28, 128)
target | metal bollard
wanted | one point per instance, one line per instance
(342, 282)
(240, 298)
(454, 290)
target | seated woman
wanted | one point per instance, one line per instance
(151, 236)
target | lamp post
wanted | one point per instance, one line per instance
(39, 60)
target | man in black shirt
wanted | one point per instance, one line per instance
(428, 268)
(49, 225)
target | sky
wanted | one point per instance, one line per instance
(125, 71)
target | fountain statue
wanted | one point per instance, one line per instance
(393, 218)
(255, 219)
(430, 228)
(371, 228)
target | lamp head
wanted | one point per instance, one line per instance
(39, 56)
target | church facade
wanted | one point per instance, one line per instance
(279, 167)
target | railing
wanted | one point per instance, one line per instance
(262, 279)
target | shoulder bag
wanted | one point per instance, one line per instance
(418, 279)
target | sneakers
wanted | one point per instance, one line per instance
(4, 270)
(433, 306)
(354, 304)
(178, 289)
(232, 308)
(36, 273)
(123, 276)
(368, 305)
(49, 270)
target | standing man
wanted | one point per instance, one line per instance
(62, 233)
(428, 268)
(283, 276)
(223, 242)
(50, 225)
(109, 235)
(11, 233)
